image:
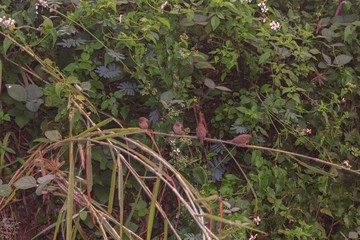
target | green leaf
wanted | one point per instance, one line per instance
(17, 92)
(53, 135)
(34, 105)
(222, 88)
(164, 21)
(326, 58)
(215, 22)
(46, 179)
(204, 65)
(326, 211)
(21, 120)
(186, 23)
(5, 190)
(209, 83)
(40, 188)
(342, 59)
(6, 44)
(200, 19)
(33, 92)
(25, 182)
(265, 56)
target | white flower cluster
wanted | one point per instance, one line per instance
(7, 21)
(41, 3)
(274, 25)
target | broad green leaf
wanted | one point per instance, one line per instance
(164, 21)
(215, 22)
(33, 92)
(21, 120)
(326, 58)
(17, 92)
(25, 182)
(46, 179)
(53, 135)
(265, 57)
(40, 188)
(209, 83)
(342, 59)
(6, 44)
(34, 105)
(5, 190)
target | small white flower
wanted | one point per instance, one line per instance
(176, 151)
(253, 237)
(262, 3)
(120, 18)
(257, 220)
(275, 25)
(347, 163)
(163, 5)
(264, 9)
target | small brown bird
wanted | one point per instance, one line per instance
(144, 123)
(178, 128)
(242, 139)
(201, 132)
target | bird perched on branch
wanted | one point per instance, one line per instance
(144, 123)
(178, 128)
(242, 139)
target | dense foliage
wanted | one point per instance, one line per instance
(286, 72)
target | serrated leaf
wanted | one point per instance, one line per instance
(25, 183)
(34, 105)
(5, 190)
(53, 135)
(209, 83)
(17, 92)
(342, 59)
(117, 56)
(108, 72)
(222, 88)
(128, 88)
(46, 179)
(68, 43)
